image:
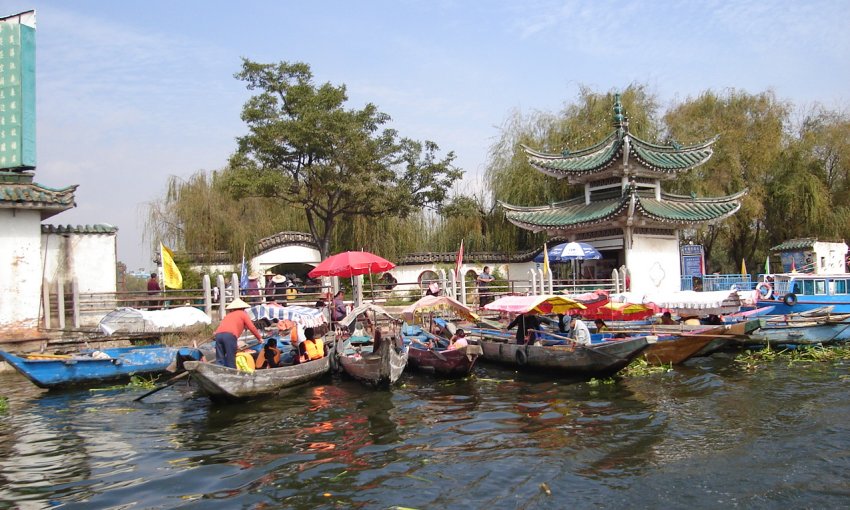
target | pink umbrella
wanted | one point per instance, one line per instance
(351, 263)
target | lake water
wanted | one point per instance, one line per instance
(710, 434)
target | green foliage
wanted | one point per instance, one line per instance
(4, 404)
(335, 164)
(639, 367)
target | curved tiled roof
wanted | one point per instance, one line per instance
(285, 239)
(670, 208)
(99, 228)
(796, 244)
(17, 191)
(661, 158)
(672, 157)
(573, 213)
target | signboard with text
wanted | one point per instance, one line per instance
(693, 262)
(17, 91)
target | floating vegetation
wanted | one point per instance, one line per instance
(4, 404)
(640, 367)
(597, 382)
(801, 354)
(139, 382)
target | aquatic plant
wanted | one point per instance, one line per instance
(801, 354)
(597, 382)
(640, 367)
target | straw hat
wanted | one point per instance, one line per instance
(237, 304)
(253, 276)
(268, 273)
(278, 278)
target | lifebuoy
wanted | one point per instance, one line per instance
(790, 299)
(521, 357)
(765, 290)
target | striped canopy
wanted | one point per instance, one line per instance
(304, 315)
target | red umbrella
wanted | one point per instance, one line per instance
(351, 263)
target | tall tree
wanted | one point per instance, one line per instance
(304, 146)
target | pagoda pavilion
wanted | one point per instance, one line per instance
(623, 211)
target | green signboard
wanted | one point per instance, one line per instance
(17, 91)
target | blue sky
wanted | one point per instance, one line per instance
(130, 92)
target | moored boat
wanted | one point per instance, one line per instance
(221, 383)
(675, 349)
(381, 368)
(96, 366)
(596, 360)
(438, 360)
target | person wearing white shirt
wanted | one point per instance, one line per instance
(579, 331)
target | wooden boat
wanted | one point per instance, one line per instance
(675, 349)
(97, 366)
(439, 360)
(377, 369)
(803, 331)
(597, 360)
(221, 383)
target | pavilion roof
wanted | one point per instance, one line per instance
(576, 214)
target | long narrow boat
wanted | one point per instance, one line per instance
(88, 367)
(221, 383)
(377, 369)
(675, 349)
(776, 331)
(597, 360)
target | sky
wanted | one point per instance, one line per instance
(132, 92)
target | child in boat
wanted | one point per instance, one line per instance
(667, 319)
(600, 325)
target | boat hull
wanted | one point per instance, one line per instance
(67, 371)
(446, 363)
(800, 333)
(221, 383)
(599, 360)
(377, 369)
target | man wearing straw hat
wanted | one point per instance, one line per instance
(231, 327)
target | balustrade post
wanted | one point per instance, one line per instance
(205, 281)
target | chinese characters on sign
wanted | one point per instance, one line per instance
(17, 91)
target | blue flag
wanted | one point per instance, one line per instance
(243, 276)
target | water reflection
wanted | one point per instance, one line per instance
(704, 435)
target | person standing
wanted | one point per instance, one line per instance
(231, 327)
(252, 291)
(484, 280)
(338, 312)
(153, 290)
(524, 323)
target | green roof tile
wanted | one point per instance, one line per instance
(796, 244)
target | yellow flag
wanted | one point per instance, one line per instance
(743, 268)
(545, 260)
(170, 274)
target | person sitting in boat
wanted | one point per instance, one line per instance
(600, 325)
(714, 320)
(690, 320)
(578, 331)
(311, 348)
(231, 327)
(269, 356)
(667, 319)
(458, 341)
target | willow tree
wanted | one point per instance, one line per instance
(581, 124)
(752, 136)
(335, 163)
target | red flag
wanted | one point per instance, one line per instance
(459, 261)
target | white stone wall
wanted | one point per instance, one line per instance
(286, 255)
(91, 259)
(20, 268)
(830, 257)
(653, 263)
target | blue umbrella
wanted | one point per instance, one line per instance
(565, 252)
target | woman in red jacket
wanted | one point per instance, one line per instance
(231, 327)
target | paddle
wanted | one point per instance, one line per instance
(436, 340)
(166, 385)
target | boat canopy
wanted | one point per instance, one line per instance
(438, 303)
(689, 302)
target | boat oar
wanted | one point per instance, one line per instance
(166, 385)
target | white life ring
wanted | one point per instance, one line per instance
(765, 290)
